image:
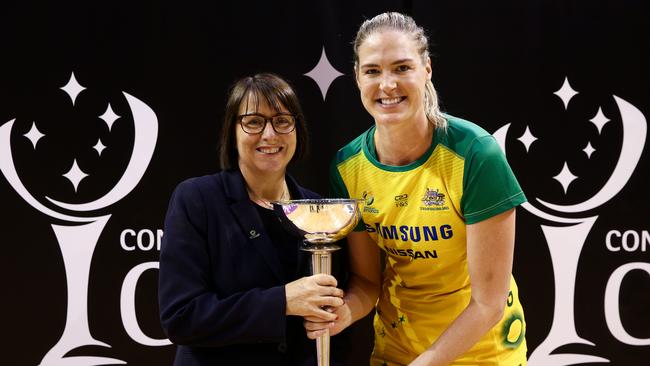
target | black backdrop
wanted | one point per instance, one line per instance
(495, 63)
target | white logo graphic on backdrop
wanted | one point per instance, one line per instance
(324, 74)
(78, 240)
(566, 239)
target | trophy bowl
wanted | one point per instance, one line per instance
(320, 222)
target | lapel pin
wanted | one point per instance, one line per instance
(253, 234)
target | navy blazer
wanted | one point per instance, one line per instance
(221, 282)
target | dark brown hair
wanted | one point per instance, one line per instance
(277, 93)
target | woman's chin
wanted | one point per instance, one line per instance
(271, 167)
(389, 118)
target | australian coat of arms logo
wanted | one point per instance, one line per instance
(433, 198)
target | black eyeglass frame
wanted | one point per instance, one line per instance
(267, 120)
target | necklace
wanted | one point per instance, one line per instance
(267, 203)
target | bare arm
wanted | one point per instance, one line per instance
(490, 248)
(361, 297)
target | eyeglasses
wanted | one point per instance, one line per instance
(256, 123)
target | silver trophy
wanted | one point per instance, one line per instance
(321, 222)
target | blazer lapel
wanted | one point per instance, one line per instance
(250, 223)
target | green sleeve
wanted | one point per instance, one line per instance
(489, 185)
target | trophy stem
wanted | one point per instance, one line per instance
(321, 262)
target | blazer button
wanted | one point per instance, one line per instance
(282, 347)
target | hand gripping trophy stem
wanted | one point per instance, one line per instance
(321, 222)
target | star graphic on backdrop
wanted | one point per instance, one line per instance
(73, 88)
(566, 92)
(109, 116)
(382, 332)
(393, 324)
(324, 74)
(75, 175)
(599, 120)
(34, 134)
(527, 138)
(565, 177)
(99, 147)
(588, 149)
(402, 318)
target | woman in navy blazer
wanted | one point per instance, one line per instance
(231, 290)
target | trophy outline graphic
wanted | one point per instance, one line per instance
(320, 222)
(78, 240)
(567, 235)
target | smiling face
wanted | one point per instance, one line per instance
(392, 76)
(267, 152)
